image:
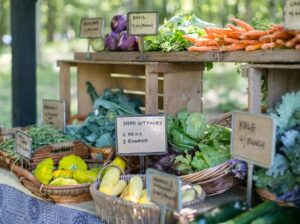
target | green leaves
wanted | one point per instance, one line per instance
(199, 145)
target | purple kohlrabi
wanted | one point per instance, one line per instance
(127, 43)
(111, 41)
(118, 23)
(239, 168)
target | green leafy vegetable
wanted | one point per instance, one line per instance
(98, 129)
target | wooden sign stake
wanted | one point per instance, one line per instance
(250, 183)
(88, 53)
(163, 212)
(253, 140)
(141, 47)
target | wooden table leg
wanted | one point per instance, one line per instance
(65, 86)
(254, 90)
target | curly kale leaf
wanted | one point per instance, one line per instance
(283, 113)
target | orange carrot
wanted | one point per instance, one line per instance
(266, 38)
(277, 27)
(254, 34)
(280, 35)
(234, 35)
(280, 43)
(291, 43)
(248, 42)
(229, 40)
(254, 46)
(268, 46)
(190, 38)
(203, 48)
(219, 31)
(242, 24)
(235, 28)
(206, 42)
(297, 47)
(292, 32)
(233, 47)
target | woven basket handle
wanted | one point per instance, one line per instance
(99, 177)
(61, 145)
(22, 173)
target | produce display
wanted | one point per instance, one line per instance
(98, 129)
(170, 36)
(118, 39)
(71, 170)
(43, 135)
(196, 146)
(243, 36)
(282, 179)
(134, 191)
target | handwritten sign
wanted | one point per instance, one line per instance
(23, 144)
(142, 23)
(141, 135)
(291, 14)
(91, 27)
(253, 138)
(54, 113)
(164, 189)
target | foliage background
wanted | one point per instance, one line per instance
(57, 38)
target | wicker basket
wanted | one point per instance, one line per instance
(58, 194)
(5, 159)
(117, 210)
(59, 150)
(215, 180)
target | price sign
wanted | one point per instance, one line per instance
(253, 138)
(164, 190)
(291, 14)
(91, 27)
(141, 135)
(54, 113)
(142, 23)
(23, 144)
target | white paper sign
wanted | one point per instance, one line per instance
(23, 144)
(54, 113)
(141, 135)
(91, 27)
(291, 14)
(164, 189)
(142, 23)
(253, 138)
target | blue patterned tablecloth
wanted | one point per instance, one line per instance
(17, 207)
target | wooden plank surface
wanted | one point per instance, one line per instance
(277, 85)
(274, 66)
(260, 56)
(99, 76)
(183, 89)
(151, 101)
(254, 90)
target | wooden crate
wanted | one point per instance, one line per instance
(165, 87)
(281, 79)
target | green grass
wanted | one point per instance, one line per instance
(223, 88)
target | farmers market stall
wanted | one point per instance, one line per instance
(139, 104)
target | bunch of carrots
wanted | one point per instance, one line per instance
(244, 37)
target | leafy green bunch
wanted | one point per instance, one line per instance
(198, 145)
(284, 175)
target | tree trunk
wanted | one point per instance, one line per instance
(196, 7)
(248, 10)
(51, 15)
(224, 12)
(236, 8)
(272, 6)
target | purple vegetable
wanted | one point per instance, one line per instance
(118, 23)
(239, 168)
(127, 43)
(111, 41)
